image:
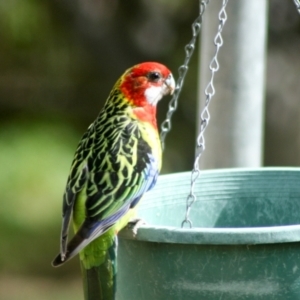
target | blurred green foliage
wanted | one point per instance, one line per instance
(35, 159)
(28, 150)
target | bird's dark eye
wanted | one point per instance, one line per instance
(154, 76)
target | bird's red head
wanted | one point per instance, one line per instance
(146, 83)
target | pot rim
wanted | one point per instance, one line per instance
(217, 235)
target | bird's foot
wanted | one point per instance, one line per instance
(134, 224)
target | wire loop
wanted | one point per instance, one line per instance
(205, 116)
(297, 3)
(189, 50)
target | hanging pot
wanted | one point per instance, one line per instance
(244, 243)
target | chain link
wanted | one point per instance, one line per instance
(297, 3)
(205, 116)
(189, 50)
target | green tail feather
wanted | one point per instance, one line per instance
(99, 280)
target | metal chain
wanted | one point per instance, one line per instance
(297, 3)
(189, 49)
(205, 116)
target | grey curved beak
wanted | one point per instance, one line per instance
(170, 83)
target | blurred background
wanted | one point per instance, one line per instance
(58, 61)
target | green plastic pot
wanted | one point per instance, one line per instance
(244, 243)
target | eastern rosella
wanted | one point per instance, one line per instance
(117, 160)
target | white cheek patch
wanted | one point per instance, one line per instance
(153, 94)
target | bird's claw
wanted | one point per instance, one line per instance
(134, 224)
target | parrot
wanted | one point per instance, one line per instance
(117, 160)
